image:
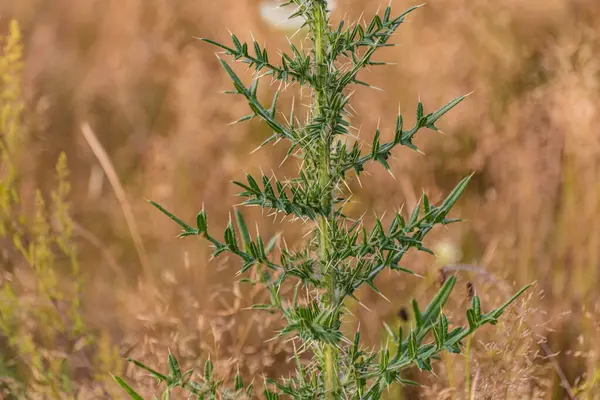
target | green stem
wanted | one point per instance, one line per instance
(330, 351)
(468, 366)
(450, 373)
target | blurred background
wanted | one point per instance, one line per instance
(115, 102)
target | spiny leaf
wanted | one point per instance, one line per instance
(415, 214)
(476, 305)
(186, 227)
(128, 389)
(407, 382)
(238, 382)
(498, 312)
(208, 370)
(418, 316)
(174, 369)
(434, 308)
(255, 106)
(241, 223)
(433, 117)
(453, 197)
(153, 373)
(419, 111)
(271, 244)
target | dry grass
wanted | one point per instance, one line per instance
(152, 95)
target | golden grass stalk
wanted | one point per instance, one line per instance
(115, 183)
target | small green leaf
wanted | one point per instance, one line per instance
(476, 305)
(452, 198)
(356, 343)
(498, 312)
(438, 302)
(128, 389)
(453, 348)
(253, 183)
(208, 370)
(201, 222)
(228, 49)
(433, 117)
(271, 244)
(412, 345)
(274, 104)
(238, 382)
(399, 268)
(388, 330)
(153, 373)
(418, 316)
(230, 238)
(174, 369)
(407, 382)
(424, 364)
(236, 42)
(186, 227)
(444, 326)
(415, 214)
(262, 307)
(438, 336)
(419, 111)
(473, 320)
(375, 148)
(243, 119)
(241, 223)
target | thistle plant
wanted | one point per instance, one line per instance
(340, 254)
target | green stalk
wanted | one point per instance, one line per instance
(330, 351)
(468, 365)
(450, 372)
